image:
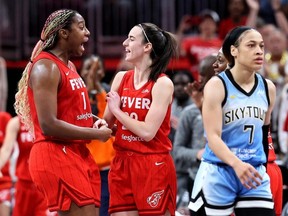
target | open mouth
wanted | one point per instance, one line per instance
(84, 44)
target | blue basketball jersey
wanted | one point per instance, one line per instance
(243, 117)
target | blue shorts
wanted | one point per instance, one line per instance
(218, 188)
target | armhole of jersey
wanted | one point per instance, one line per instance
(266, 89)
(225, 89)
(61, 75)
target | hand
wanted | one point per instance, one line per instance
(253, 4)
(200, 153)
(99, 123)
(174, 122)
(1, 175)
(276, 4)
(247, 174)
(113, 100)
(193, 89)
(105, 133)
(185, 23)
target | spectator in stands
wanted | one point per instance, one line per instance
(181, 99)
(276, 58)
(265, 29)
(269, 14)
(276, 69)
(237, 15)
(277, 8)
(201, 44)
(282, 134)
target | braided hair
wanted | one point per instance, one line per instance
(60, 19)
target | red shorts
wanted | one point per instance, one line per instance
(276, 185)
(143, 183)
(29, 200)
(5, 196)
(65, 173)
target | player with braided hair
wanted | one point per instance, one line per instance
(53, 103)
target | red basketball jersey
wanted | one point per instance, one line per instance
(25, 142)
(271, 155)
(5, 181)
(73, 101)
(136, 103)
(64, 170)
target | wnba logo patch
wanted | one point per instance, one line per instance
(153, 200)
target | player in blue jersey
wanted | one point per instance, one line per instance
(237, 107)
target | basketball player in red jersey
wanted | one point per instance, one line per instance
(142, 179)
(28, 200)
(53, 102)
(5, 179)
(276, 180)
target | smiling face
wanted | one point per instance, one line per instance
(248, 50)
(78, 35)
(220, 64)
(134, 45)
